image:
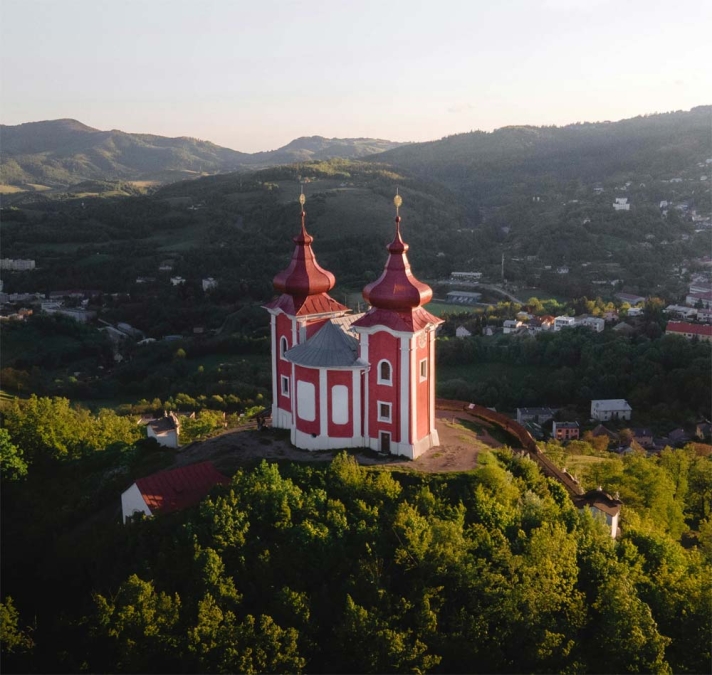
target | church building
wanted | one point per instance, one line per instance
(344, 380)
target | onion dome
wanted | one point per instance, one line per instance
(304, 285)
(397, 289)
(304, 276)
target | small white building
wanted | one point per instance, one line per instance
(511, 326)
(170, 490)
(603, 506)
(166, 430)
(594, 323)
(610, 409)
(564, 322)
(462, 332)
(177, 281)
(209, 283)
(704, 300)
(621, 204)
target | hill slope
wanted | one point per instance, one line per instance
(491, 166)
(59, 153)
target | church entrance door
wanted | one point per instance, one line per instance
(385, 442)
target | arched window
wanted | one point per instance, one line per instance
(384, 372)
(283, 346)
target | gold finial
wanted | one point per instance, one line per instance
(397, 200)
(302, 198)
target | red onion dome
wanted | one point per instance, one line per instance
(397, 289)
(304, 276)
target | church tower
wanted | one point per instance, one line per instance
(302, 307)
(397, 339)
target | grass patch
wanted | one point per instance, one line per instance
(10, 189)
(440, 308)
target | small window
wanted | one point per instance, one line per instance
(423, 370)
(384, 412)
(283, 346)
(285, 385)
(384, 373)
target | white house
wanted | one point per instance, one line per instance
(165, 430)
(594, 323)
(170, 490)
(511, 326)
(635, 311)
(209, 283)
(621, 204)
(564, 322)
(703, 299)
(610, 409)
(603, 506)
(462, 332)
(177, 281)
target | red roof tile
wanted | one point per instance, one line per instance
(306, 304)
(692, 328)
(177, 489)
(407, 320)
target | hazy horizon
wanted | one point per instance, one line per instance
(254, 78)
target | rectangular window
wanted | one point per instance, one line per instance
(423, 370)
(285, 385)
(384, 412)
(306, 401)
(340, 404)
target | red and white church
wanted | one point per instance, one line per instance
(354, 380)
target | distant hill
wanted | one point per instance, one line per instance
(61, 153)
(491, 167)
(309, 148)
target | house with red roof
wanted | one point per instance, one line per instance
(170, 490)
(344, 380)
(689, 330)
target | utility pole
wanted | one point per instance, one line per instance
(502, 269)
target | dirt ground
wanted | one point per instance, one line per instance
(458, 450)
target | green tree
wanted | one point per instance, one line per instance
(12, 463)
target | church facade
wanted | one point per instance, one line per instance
(345, 380)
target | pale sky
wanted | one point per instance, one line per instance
(254, 74)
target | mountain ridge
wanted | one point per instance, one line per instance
(63, 152)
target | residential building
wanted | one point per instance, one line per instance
(630, 298)
(564, 322)
(170, 490)
(594, 323)
(689, 330)
(565, 431)
(635, 311)
(462, 332)
(209, 283)
(511, 326)
(601, 505)
(177, 281)
(166, 430)
(703, 300)
(644, 437)
(682, 311)
(704, 315)
(621, 204)
(538, 415)
(610, 409)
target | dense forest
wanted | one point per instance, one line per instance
(344, 569)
